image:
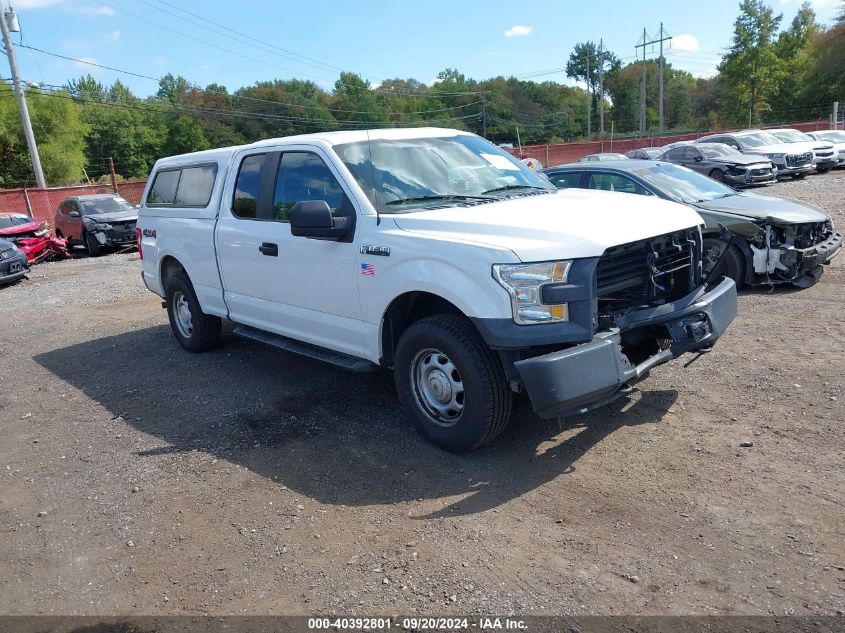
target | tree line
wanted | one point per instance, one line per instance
(768, 74)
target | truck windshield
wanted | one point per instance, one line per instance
(682, 184)
(400, 175)
(759, 139)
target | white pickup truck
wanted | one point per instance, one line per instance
(436, 254)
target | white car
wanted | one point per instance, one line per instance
(789, 159)
(836, 138)
(436, 254)
(824, 156)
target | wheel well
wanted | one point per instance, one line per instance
(169, 267)
(404, 311)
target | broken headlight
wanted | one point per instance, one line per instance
(524, 283)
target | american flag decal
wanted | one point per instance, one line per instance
(368, 269)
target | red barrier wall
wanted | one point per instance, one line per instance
(41, 204)
(558, 154)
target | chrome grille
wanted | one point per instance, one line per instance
(799, 160)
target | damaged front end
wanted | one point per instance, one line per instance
(36, 241)
(793, 253)
(649, 303)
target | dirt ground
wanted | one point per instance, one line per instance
(136, 478)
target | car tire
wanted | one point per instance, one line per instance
(798, 176)
(195, 330)
(823, 170)
(451, 383)
(91, 245)
(733, 265)
(717, 174)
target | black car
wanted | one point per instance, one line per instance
(775, 240)
(723, 163)
(13, 263)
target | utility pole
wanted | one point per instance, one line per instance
(589, 98)
(835, 115)
(662, 36)
(642, 43)
(9, 23)
(601, 87)
(113, 175)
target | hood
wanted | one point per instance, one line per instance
(779, 148)
(20, 229)
(771, 209)
(117, 216)
(571, 223)
(742, 159)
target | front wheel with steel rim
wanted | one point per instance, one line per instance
(195, 330)
(451, 383)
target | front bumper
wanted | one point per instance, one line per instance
(783, 170)
(586, 376)
(827, 162)
(819, 254)
(116, 237)
(13, 267)
(750, 178)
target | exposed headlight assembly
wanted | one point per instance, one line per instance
(102, 226)
(524, 283)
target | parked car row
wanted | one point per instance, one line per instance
(749, 157)
(96, 222)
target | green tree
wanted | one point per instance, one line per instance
(752, 70)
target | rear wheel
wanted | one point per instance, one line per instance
(717, 175)
(195, 330)
(733, 264)
(451, 383)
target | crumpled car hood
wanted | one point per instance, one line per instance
(21, 229)
(771, 209)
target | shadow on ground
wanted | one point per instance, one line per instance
(336, 437)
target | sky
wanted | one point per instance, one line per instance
(239, 43)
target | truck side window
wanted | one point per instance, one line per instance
(164, 187)
(195, 186)
(304, 176)
(245, 202)
(615, 182)
(569, 180)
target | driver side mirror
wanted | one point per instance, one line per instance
(73, 214)
(697, 158)
(313, 219)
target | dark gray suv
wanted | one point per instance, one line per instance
(723, 163)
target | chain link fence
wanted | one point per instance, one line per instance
(41, 204)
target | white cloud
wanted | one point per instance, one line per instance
(114, 36)
(518, 30)
(160, 61)
(684, 43)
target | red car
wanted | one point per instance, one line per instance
(32, 237)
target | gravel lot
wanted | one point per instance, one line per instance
(136, 478)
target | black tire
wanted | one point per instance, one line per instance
(91, 245)
(205, 331)
(823, 170)
(733, 265)
(717, 174)
(798, 176)
(486, 399)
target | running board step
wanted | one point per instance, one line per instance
(352, 363)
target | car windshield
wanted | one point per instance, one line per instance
(832, 136)
(105, 205)
(718, 150)
(791, 136)
(8, 221)
(682, 184)
(400, 175)
(758, 139)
